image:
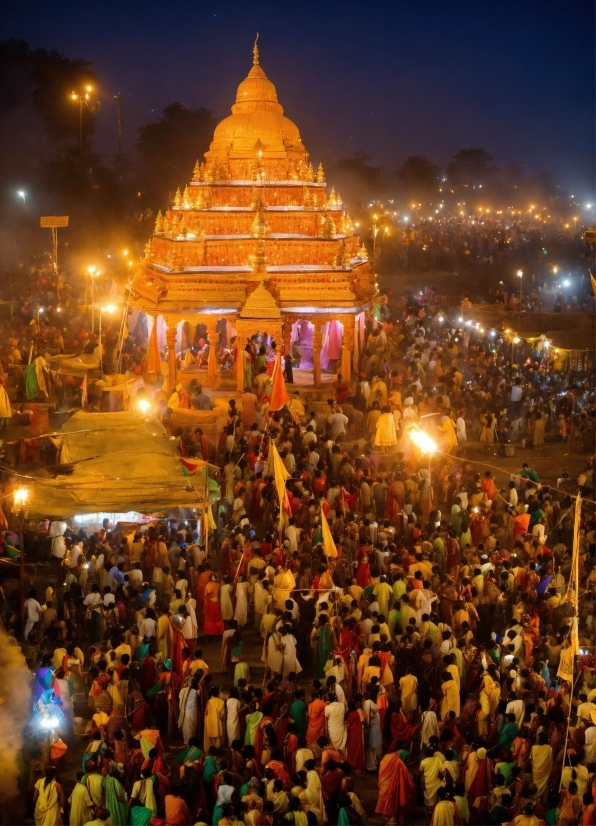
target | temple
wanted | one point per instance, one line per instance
(253, 244)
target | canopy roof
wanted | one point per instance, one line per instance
(118, 462)
(566, 331)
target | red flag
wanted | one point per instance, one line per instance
(192, 466)
(279, 394)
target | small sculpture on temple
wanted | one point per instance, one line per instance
(340, 257)
(186, 199)
(167, 226)
(196, 173)
(259, 259)
(320, 174)
(260, 225)
(258, 200)
(158, 224)
(328, 227)
(310, 174)
(362, 253)
(178, 198)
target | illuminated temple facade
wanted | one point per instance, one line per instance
(255, 243)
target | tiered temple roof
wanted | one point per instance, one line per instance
(255, 212)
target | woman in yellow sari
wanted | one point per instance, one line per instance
(49, 800)
(451, 699)
(409, 697)
(541, 757)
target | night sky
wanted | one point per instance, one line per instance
(391, 78)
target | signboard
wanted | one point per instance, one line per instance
(49, 221)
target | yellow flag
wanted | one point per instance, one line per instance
(328, 543)
(280, 474)
(568, 655)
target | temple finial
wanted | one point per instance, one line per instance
(255, 52)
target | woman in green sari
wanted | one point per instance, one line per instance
(253, 718)
(324, 645)
(116, 799)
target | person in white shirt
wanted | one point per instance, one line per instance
(516, 706)
(34, 612)
(309, 437)
(313, 459)
(338, 422)
(148, 626)
(512, 498)
(291, 534)
(182, 586)
(460, 429)
(75, 553)
(135, 577)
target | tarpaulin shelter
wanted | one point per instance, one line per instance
(118, 462)
(565, 331)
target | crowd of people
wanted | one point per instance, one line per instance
(399, 618)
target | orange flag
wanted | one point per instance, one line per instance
(84, 393)
(279, 394)
(153, 364)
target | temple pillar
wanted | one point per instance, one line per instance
(213, 339)
(317, 344)
(287, 336)
(171, 334)
(347, 344)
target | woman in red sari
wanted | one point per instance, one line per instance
(395, 500)
(397, 792)
(316, 719)
(363, 570)
(213, 624)
(355, 744)
(401, 730)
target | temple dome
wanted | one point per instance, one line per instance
(257, 120)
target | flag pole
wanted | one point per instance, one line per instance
(574, 629)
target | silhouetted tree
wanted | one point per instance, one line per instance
(418, 175)
(469, 166)
(168, 150)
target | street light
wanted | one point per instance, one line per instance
(22, 195)
(93, 273)
(422, 440)
(20, 497)
(520, 275)
(83, 99)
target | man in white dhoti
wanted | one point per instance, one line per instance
(290, 660)
(275, 653)
(335, 714)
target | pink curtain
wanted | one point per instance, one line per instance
(332, 338)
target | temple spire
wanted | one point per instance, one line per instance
(255, 52)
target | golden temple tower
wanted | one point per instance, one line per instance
(257, 217)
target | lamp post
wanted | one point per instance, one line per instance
(375, 233)
(110, 309)
(520, 275)
(93, 273)
(20, 497)
(83, 99)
